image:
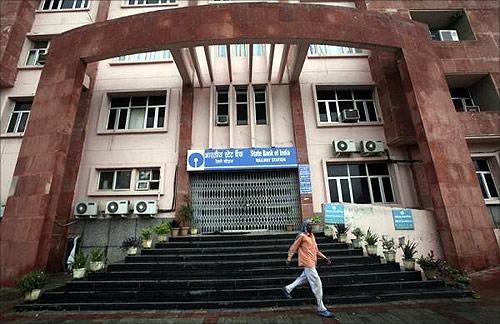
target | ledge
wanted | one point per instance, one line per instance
(139, 62)
(132, 131)
(61, 10)
(361, 124)
(30, 67)
(124, 193)
(11, 135)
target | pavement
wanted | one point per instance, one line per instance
(484, 308)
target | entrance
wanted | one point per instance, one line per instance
(245, 201)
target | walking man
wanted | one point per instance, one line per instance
(305, 244)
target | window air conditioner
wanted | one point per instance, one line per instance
(472, 108)
(85, 209)
(42, 58)
(344, 146)
(222, 120)
(146, 207)
(349, 115)
(117, 207)
(448, 35)
(372, 147)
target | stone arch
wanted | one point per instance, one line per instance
(41, 193)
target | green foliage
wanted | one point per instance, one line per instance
(428, 262)
(315, 220)
(409, 249)
(162, 229)
(146, 232)
(371, 238)
(387, 244)
(358, 233)
(131, 242)
(96, 255)
(341, 228)
(32, 280)
(186, 212)
(80, 261)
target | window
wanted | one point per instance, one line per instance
(241, 106)
(147, 2)
(483, 172)
(146, 57)
(114, 179)
(473, 92)
(331, 103)
(260, 105)
(360, 183)
(64, 4)
(462, 99)
(445, 25)
(19, 117)
(137, 112)
(37, 48)
(148, 179)
(222, 106)
(327, 50)
(240, 50)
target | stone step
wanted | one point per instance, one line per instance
(240, 243)
(273, 302)
(243, 237)
(121, 272)
(226, 283)
(159, 294)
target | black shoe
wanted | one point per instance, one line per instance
(286, 293)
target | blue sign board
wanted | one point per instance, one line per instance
(242, 158)
(334, 213)
(305, 179)
(403, 219)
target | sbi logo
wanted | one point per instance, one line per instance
(195, 160)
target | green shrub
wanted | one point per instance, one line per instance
(162, 229)
(409, 249)
(358, 233)
(387, 244)
(131, 242)
(32, 280)
(80, 261)
(146, 233)
(315, 220)
(341, 228)
(96, 255)
(371, 238)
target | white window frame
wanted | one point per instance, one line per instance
(126, 4)
(482, 174)
(367, 176)
(148, 57)
(37, 52)
(115, 177)
(85, 5)
(18, 120)
(335, 101)
(149, 181)
(464, 99)
(326, 51)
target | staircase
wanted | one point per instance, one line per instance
(236, 271)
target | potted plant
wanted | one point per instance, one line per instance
(31, 284)
(146, 233)
(162, 230)
(356, 243)
(186, 215)
(388, 247)
(316, 224)
(409, 249)
(174, 228)
(96, 260)
(131, 245)
(194, 230)
(371, 240)
(429, 265)
(79, 265)
(342, 230)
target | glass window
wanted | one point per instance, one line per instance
(64, 4)
(332, 102)
(137, 112)
(19, 117)
(260, 106)
(148, 179)
(462, 100)
(147, 2)
(37, 48)
(241, 106)
(114, 179)
(361, 183)
(158, 56)
(485, 178)
(328, 50)
(222, 102)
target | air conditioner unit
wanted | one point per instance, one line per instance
(448, 35)
(472, 108)
(146, 207)
(349, 115)
(222, 120)
(372, 147)
(117, 207)
(85, 208)
(42, 58)
(344, 146)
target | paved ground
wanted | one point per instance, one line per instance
(484, 309)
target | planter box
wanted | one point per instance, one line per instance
(96, 266)
(194, 231)
(79, 273)
(146, 244)
(174, 231)
(132, 251)
(371, 249)
(409, 265)
(32, 295)
(357, 243)
(342, 237)
(390, 256)
(184, 231)
(162, 238)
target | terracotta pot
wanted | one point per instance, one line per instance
(194, 231)
(184, 231)
(32, 295)
(390, 256)
(357, 243)
(409, 265)
(162, 238)
(132, 250)
(95, 266)
(289, 227)
(174, 231)
(430, 274)
(342, 237)
(146, 244)
(371, 249)
(79, 273)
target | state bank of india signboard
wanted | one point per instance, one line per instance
(242, 159)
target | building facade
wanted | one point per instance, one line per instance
(259, 113)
